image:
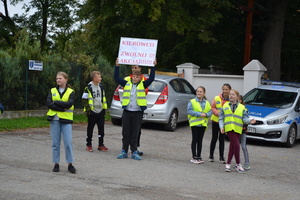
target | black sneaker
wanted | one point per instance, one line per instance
(200, 161)
(56, 168)
(71, 169)
(222, 160)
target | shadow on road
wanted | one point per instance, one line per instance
(269, 144)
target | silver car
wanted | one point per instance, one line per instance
(276, 110)
(167, 100)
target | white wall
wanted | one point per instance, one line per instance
(213, 83)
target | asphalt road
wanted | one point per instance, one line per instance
(165, 172)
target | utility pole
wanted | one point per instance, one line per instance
(248, 37)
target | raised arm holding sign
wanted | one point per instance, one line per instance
(136, 51)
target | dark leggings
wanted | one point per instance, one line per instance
(215, 133)
(197, 137)
(234, 147)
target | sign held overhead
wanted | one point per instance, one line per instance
(137, 51)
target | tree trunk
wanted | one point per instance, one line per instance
(271, 49)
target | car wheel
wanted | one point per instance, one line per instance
(291, 138)
(172, 123)
(115, 121)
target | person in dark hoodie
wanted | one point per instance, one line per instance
(134, 103)
(1, 108)
(60, 102)
(94, 102)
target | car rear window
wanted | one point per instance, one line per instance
(270, 98)
(156, 86)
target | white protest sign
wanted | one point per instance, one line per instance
(137, 51)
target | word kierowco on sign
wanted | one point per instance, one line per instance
(136, 51)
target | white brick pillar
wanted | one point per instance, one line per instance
(253, 73)
(189, 69)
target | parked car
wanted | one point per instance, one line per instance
(276, 108)
(167, 101)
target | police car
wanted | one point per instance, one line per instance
(276, 108)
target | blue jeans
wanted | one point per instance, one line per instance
(244, 147)
(57, 129)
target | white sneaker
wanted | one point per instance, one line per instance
(239, 168)
(247, 167)
(227, 168)
(195, 161)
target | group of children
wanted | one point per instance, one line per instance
(60, 102)
(228, 115)
(227, 112)
(134, 103)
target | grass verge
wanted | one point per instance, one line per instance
(36, 122)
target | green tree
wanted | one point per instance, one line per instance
(272, 43)
(275, 38)
(13, 64)
(290, 64)
(175, 23)
(8, 27)
(50, 19)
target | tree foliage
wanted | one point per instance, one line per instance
(49, 19)
(204, 32)
(176, 24)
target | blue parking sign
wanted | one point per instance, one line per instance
(35, 65)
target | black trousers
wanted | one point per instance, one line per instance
(197, 138)
(131, 122)
(99, 119)
(140, 132)
(215, 134)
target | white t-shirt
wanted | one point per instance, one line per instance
(97, 98)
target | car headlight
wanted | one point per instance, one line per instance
(279, 120)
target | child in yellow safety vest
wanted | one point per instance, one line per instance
(243, 140)
(134, 102)
(232, 117)
(95, 105)
(137, 68)
(198, 110)
(60, 101)
(216, 106)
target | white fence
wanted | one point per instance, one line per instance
(253, 73)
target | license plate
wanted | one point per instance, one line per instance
(251, 130)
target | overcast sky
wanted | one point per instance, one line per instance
(13, 9)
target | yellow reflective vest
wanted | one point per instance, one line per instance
(218, 101)
(141, 94)
(193, 120)
(233, 121)
(91, 100)
(68, 114)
